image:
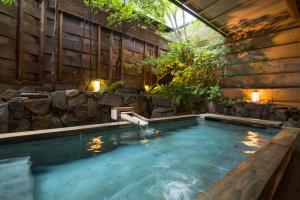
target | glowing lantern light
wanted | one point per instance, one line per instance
(96, 85)
(147, 88)
(255, 96)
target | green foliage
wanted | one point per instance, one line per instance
(126, 11)
(195, 72)
(7, 1)
(112, 87)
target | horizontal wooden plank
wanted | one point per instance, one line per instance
(270, 40)
(31, 7)
(10, 10)
(31, 44)
(272, 95)
(31, 25)
(8, 26)
(263, 81)
(272, 53)
(266, 67)
(7, 48)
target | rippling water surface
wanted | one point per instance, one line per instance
(177, 162)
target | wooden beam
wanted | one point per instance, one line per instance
(20, 41)
(241, 3)
(208, 6)
(42, 40)
(98, 70)
(60, 44)
(111, 43)
(293, 8)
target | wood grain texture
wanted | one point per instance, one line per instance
(26, 44)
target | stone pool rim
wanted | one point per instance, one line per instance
(249, 180)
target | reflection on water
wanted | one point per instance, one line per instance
(253, 140)
(95, 144)
(144, 140)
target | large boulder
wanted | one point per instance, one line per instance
(9, 94)
(158, 101)
(45, 122)
(38, 106)
(69, 119)
(106, 114)
(94, 109)
(38, 95)
(19, 125)
(81, 112)
(162, 112)
(111, 99)
(17, 108)
(73, 92)
(35, 89)
(138, 102)
(279, 115)
(76, 101)
(212, 107)
(58, 101)
(4, 117)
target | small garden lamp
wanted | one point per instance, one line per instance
(96, 85)
(255, 96)
(147, 88)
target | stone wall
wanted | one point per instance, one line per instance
(268, 111)
(36, 108)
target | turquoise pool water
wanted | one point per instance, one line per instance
(179, 161)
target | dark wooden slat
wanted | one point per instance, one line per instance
(98, 71)
(110, 56)
(42, 40)
(60, 44)
(122, 58)
(20, 41)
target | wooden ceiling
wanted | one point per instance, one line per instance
(244, 17)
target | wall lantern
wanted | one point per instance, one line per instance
(255, 96)
(96, 85)
(147, 88)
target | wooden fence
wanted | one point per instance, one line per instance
(26, 44)
(269, 62)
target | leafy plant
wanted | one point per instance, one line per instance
(7, 1)
(113, 87)
(189, 71)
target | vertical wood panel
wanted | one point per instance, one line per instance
(31, 40)
(122, 57)
(111, 43)
(98, 70)
(20, 41)
(42, 40)
(144, 57)
(60, 44)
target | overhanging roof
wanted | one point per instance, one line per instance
(240, 17)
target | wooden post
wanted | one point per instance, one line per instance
(144, 57)
(20, 42)
(60, 44)
(111, 43)
(122, 58)
(42, 40)
(98, 70)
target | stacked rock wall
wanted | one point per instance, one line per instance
(290, 115)
(31, 109)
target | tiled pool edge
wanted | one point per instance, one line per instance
(7, 138)
(258, 176)
(241, 120)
